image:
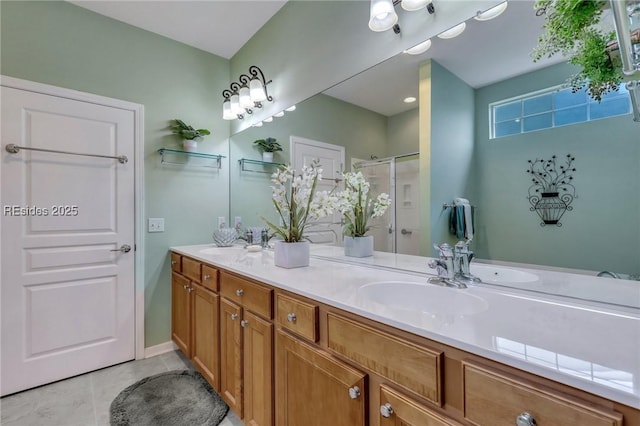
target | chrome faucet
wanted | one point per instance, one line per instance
(445, 264)
(462, 258)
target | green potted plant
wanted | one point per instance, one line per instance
(571, 29)
(268, 147)
(190, 136)
(298, 203)
(357, 206)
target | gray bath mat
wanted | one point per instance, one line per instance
(181, 397)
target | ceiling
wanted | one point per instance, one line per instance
(486, 52)
(220, 27)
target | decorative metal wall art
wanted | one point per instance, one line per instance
(551, 192)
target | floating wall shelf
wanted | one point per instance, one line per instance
(179, 157)
(260, 166)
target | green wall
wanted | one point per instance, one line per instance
(403, 133)
(603, 230)
(321, 118)
(452, 142)
(64, 45)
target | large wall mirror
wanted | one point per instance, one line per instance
(488, 63)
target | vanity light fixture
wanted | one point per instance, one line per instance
(243, 96)
(494, 12)
(453, 31)
(419, 48)
(383, 17)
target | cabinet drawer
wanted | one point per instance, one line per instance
(297, 316)
(397, 409)
(176, 262)
(414, 367)
(210, 277)
(491, 398)
(252, 296)
(191, 269)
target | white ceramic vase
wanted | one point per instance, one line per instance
(267, 157)
(358, 246)
(190, 145)
(291, 255)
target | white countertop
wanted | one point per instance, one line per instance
(589, 345)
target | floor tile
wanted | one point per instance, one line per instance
(85, 400)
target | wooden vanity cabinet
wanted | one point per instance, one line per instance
(315, 389)
(324, 366)
(195, 316)
(246, 351)
(491, 397)
(181, 313)
(397, 409)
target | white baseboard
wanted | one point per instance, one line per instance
(159, 349)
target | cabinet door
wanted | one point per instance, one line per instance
(231, 355)
(397, 409)
(258, 370)
(205, 346)
(181, 313)
(314, 389)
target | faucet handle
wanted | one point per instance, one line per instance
(444, 250)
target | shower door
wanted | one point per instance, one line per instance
(398, 230)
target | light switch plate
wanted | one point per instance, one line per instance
(221, 222)
(237, 221)
(156, 224)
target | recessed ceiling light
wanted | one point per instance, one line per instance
(268, 120)
(409, 99)
(291, 108)
(453, 32)
(279, 114)
(419, 48)
(494, 12)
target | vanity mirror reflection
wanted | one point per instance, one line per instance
(490, 62)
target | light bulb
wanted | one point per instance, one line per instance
(494, 12)
(279, 114)
(256, 90)
(454, 31)
(227, 114)
(268, 120)
(419, 48)
(235, 104)
(412, 5)
(245, 98)
(382, 15)
(291, 108)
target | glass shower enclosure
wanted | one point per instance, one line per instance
(398, 230)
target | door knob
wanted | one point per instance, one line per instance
(525, 419)
(291, 317)
(234, 317)
(354, 392)
(239, 292)
(125, 248)
(406, 232)
(244, 323)
(386, 410)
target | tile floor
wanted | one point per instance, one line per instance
(85, 400)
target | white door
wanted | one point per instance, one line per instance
(331, 157)
(67, 294)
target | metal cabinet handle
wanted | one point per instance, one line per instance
(234, 317)
(190, 289)
(207, 277)
(244, 323)
(525, 419)
(125, 248)
(239, 292)
(291, 317)
(185, 286)
(354, 392)
(173, 262)
(386, 410)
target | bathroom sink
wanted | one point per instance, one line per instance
(496, 275)
(423, 298)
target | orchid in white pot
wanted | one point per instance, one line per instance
(357, 208)
(297, 203)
